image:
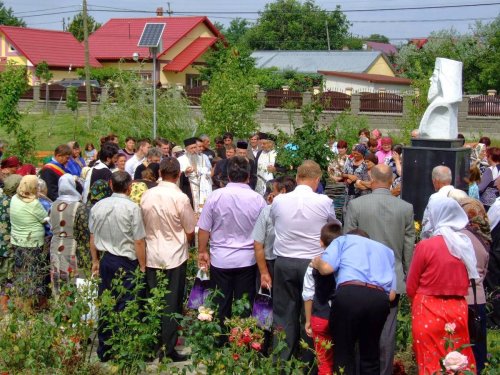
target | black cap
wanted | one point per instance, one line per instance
(190, 141)
(242, 145)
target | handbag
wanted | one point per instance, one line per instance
(200, 290)
(263, 309)
(476, 333)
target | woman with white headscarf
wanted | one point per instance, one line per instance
(63, 260)
(437, 284)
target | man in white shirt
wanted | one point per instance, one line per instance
(265, 159)
(298, 217)
(143, 147)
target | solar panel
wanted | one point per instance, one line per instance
(151, 35)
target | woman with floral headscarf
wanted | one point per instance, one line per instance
(64, 265)
(27, 238)
(438, 281)
(478, 231)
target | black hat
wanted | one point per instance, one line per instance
(262, 135)
(190, 141)
(242, 145)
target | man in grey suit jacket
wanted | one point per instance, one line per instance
(388, 220)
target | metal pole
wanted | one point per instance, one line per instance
(154, 92)
(327, 35)
(87, 64)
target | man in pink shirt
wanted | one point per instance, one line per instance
(169, 222)
(227, 219)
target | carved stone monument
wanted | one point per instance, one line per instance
(437, 142)
(440, 119)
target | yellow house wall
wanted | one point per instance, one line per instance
(199, 31)
(381, 67)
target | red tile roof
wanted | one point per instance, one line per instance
(190, 54)
(375, 78)
(57, 48)
(386, 48)
(118, 37)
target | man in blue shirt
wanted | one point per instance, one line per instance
(364, 272)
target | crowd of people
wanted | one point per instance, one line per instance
(336, 254)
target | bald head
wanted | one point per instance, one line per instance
(441, 176)
(381, 176)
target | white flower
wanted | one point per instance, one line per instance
(454, 361)
(205, 317)
(450, 328)
(205, 310)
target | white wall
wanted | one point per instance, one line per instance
(334, 83)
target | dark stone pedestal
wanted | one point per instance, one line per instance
(418, 161)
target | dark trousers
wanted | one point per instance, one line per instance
(109, 266)
(288, 307)
(176, 278)
(233, 283)
(388, 339)
(358, 315)
(480, 348)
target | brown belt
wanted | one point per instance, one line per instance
(360, 283)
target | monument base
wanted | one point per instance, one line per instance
(418, 162)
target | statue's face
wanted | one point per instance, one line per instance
(435, 89)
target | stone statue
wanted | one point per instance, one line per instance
(440, 118)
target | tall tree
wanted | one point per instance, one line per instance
(42, 71)
(292, 25)
(75, 26)
(8, 18)
(377, 38)
(236, 31)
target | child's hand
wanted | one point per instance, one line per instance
(392, 295)
(308, 329)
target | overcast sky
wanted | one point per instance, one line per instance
(48, 14)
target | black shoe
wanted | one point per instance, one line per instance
(175, 356)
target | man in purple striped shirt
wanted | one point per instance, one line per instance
(227, 219)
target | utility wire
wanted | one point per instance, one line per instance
(117, 10)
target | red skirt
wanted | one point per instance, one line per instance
(429, 316)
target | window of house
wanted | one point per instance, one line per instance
(193, 80)
(11, 48)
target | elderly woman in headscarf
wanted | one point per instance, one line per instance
(64, 265)
(478, 231)
(478, 157)
(99, 190)
(27, 216)
(10, 186)
(437, 284)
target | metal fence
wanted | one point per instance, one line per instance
(283, 98)
(194, 94)
(484, 105)
(381, 102)
(333, 100)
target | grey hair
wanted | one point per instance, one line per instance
(204, 136)
(42, 186)
(155, 151)
(442, 173)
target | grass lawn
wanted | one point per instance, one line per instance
(52, 130)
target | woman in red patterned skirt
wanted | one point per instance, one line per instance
(437, 284)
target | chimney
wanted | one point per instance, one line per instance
(159, 12)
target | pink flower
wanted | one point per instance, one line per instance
(454, 361)
(450, 328)
(256, 346)
(236, 356)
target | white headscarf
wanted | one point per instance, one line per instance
(446, 218)
(67, 189)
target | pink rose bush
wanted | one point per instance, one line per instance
(455, 361)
